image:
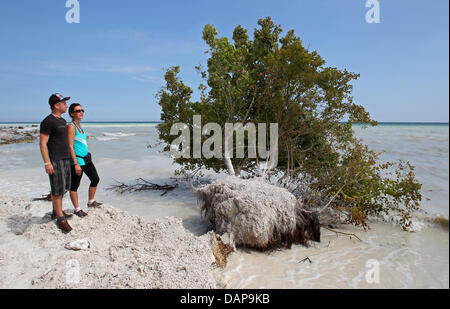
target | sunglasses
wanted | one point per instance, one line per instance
(79, 111)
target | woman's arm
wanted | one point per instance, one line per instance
(71, 138)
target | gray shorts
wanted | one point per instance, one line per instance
(60, 180)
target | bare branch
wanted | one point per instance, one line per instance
(141, 185)
(348, 234)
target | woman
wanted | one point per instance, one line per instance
(80, 160)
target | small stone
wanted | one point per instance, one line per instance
(79, 244)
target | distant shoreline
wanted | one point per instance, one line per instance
(90, 122)
(153, 122)
(410, 123)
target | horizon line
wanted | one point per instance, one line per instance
(159, 121)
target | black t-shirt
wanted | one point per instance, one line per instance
(58, 144)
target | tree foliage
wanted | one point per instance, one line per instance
(275, 79)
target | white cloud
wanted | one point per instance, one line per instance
(99, 68)
(148, 78)
(55, 69)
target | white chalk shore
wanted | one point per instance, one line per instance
(120, 250)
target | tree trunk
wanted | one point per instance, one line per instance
(229, 166)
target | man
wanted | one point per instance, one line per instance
(55, 152)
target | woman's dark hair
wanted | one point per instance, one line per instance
(72, 108)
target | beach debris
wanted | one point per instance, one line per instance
(157, 144)
(347, 234)
(142, 185)
(79, 244)
(257, 214)
(440, 220)
(44, 197)
(306, 259)
(41, 277)
(222, 247)
(15, 135)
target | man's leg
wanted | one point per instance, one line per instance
(57, 189)
(58, 183)
(62, 185)
(61, 220)
(57, 205)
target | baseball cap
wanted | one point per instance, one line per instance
(56, 98)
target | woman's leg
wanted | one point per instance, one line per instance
(74, 184)
(74, 199)
(91, 172)
(92, 191)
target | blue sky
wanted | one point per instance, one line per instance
(112, 62)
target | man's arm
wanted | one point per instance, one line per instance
(43, 140)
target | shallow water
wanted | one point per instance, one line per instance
(405, 259)
(426, 146)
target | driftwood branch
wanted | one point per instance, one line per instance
(305, 259)
(348, 234)
(44, 197)
(141, 185)
(332, 199)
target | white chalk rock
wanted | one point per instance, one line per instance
(79, 244)
(257, 214)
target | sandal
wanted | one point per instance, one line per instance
(94, 204)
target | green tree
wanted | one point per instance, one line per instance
(275, 79)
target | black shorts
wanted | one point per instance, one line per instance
(60, 180)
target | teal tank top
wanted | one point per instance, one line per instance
(80, 146)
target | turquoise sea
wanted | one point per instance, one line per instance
(425, 145)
